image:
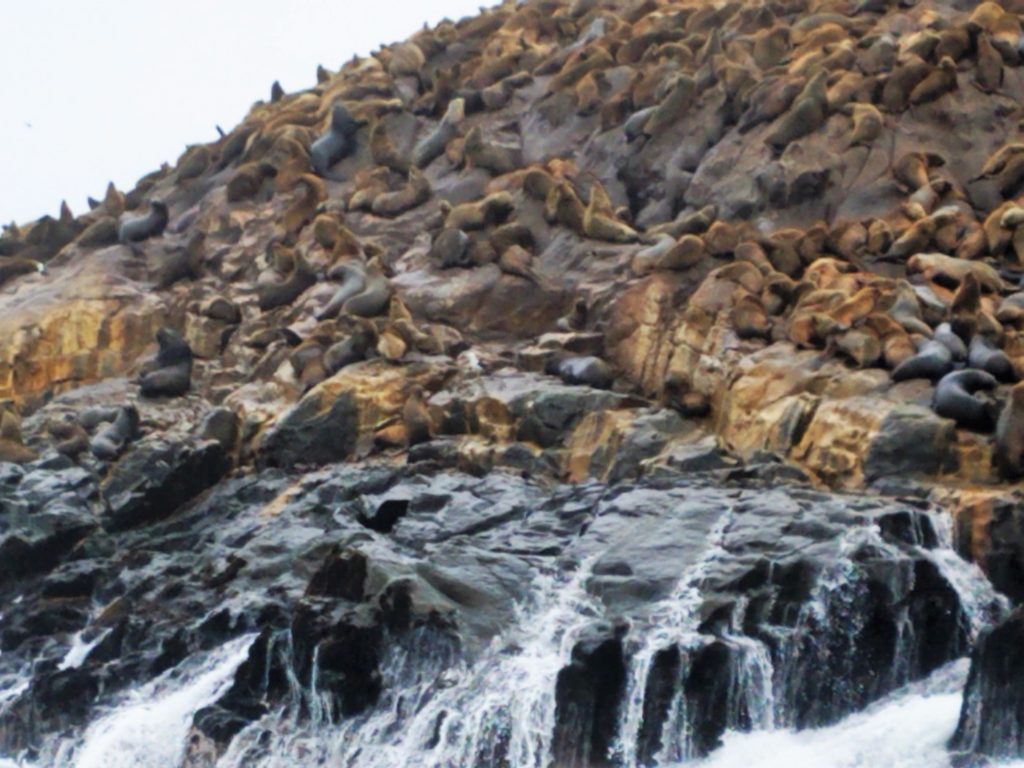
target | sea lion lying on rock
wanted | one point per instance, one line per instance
(171, 374)
(955, 399)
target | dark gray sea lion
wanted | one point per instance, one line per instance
(944, 335)
(954, 399)
(933, 361)
(171, 375)
(181, 263)
(1009, 453)
(337, 143)
(575, 319)
(364, 291)
(109, 443)
(140, 228)
(450, 249)
(984, 355)
(586, 370)
(297, 278)
(276, 92)
(92, 417)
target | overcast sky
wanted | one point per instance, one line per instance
(109, 89)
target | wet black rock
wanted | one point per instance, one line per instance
(992, 717)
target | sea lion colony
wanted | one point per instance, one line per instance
(799, 173)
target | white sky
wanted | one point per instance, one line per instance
(109, 89)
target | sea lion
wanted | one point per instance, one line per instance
(433, 146)
(586, 370)
(599, 221)
(769, 99)
(307, 362)
(1009, 452)
(867, 124)
(297, 277)
(101, 232)
(171, 375)
(902, 81)
(302, 211)
(416, 418)
(518, 262)
(944, 335)
(140, 228)
(71, 439)
(276, 92)
(181, 263)
(12, 447)
(575, 319)
(349, 350)
(673, 107)
(249, 180)
(488, 212)
(964, 308)
(384, 152)
(412, 195)
(363, 292)
(932, 361)
(108, 444)
(954, 399)
(15, 266)
(938, 83)
(563, 206)
(450, 249)
(336, 143)
(986, 356)
(808, 113)
(496, 158)
(988, 71)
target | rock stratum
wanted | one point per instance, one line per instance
(681, 330)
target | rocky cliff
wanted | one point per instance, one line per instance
(401, 344)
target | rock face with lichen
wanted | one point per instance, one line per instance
(593, 243)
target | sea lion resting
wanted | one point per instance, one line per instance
(140, 228)
(171, 374)
(363, 292)
(337, 143)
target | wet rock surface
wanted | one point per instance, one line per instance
(500, 399)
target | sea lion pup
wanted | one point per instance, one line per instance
(932, 361)
(984, 355)
(383, 150)
(585, 370)
(302, 211)
(297, 277)
(599, 222)
(364, 291)
(496, 158)
(412, 195)
(954, 399)
(15, 266)
(749, 319)
(140, 228)
(337, 143)
(433, 146)
(902, 81)
(563, 206)
(249, 180)
(481, 214)
(171, 375)
(867, 124)
(416, 418)
(450, 249)
(964, 308)
(938, 83)
(108, 444)
(673, 107)
(808, 113)
(1009, 453)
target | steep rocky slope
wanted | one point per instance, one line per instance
(563, 253)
